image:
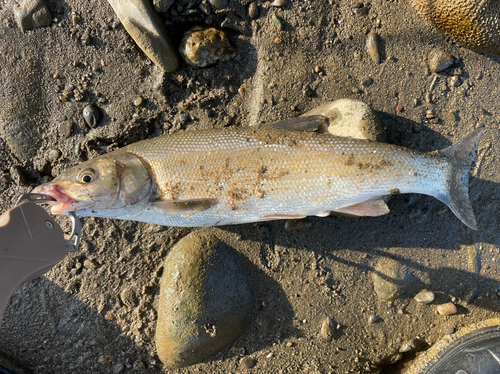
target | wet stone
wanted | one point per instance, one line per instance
(440, 60)
(203, 47)
(425, 297)
(372, 319)
(366, 82)
(91, 115)
(447, 309)
(373, 46)
(33, 14)
(204, 302)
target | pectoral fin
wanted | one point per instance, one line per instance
(372, 208)
(183, 206)
(309, 123)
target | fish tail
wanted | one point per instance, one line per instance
(455, 194)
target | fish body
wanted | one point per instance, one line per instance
(240, 175)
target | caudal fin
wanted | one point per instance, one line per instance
(461, 155)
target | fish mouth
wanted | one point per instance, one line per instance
(62, 203)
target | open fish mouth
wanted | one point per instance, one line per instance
(62, 203)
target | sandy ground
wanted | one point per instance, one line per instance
(73, 320)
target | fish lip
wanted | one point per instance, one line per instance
(63, 202)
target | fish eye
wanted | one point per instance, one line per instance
(87, 176)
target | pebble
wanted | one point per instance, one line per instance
(278, 3)
(184, 118)
(449, 330)
(327, 329)
(119, 368)
(440, 60)
(202, 47)
(278, 22)
(366, 82)
(105, 359)
(425, 297)
(373, 46)
(127, 297)
(200, 264)
(33, 14)
(86, 37)
(76, 19)
(146, 28)
(352, 118)
(139, 366)
(54, 154)
(139, 102)
(65, 129)
(253, 10)
(162, 5)
(91, 115)
(447, 309)
(289, 344)
(408, 346)
(248, 362)
(238, 351)
(205, 8)
(219, 4)
(455, 81)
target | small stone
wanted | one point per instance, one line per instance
(253, 10)
(192, 327)
(205, 8)
(327, 329)
(307, 91)
(33, 14)
(54, 154)
(278, 3)
(373, 46)
(425, 297)
(184, 118)
(440, 60)
(139, 102)
(139, 366)
(219, 4)
(289, 344)
(366, 82)
(270, 355)
(317, 69)
(127, 296)
(447, 309)
(455, 81)
(76, 19)
(372, 319)
(146, 28)
(248, 362)
(65, 129)
(162, 5)
(91, 115)
(203, 47)
(278, 22)
(449, 330)
(408, 346)
(391, 278)
(105, 359)
(86, 37)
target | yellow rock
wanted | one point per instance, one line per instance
(471, 23)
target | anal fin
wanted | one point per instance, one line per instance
(371, 208)
(183, 206)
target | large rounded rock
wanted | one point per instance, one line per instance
(353, 118)
(204, 300)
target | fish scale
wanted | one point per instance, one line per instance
(239, 175)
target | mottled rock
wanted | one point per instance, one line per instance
(425, 297)
(33, 14)
(440, 60)
(373, 46)
(447, 309)
(353, 118)
(204, 300)
(146, 28)
(471, 23)
(202, 47)
(391, 278)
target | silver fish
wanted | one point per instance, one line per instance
(239, 175)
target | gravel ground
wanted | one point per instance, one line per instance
(96, 311)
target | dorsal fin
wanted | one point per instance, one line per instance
(309, 123)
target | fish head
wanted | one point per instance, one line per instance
(113, 181)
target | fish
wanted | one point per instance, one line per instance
(237, 175)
